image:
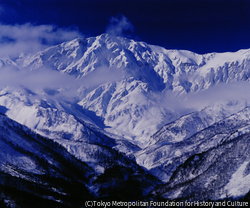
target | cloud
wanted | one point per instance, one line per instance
(35, 80)
(48, 83)
(27, 32)
(28, 38)
(119, 26)
(223, 92)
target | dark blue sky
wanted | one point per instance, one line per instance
(201, 26)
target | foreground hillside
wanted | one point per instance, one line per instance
(38, 172)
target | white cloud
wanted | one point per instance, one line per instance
(28, 32)
(223, 92)
(16, 39)
(48, 83)
(119, 26)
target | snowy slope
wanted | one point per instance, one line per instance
(65, 123)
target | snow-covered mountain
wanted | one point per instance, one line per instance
(217, 164)
(127, 83)
(172, 144)
(102, 96)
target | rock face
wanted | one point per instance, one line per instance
(119, 106)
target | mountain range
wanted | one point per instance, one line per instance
(121, 114)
